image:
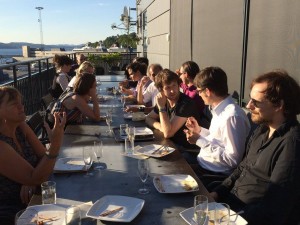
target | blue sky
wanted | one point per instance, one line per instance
(64, 21)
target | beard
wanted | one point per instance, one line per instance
(258, 119)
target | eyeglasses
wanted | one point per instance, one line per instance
(255, 103)
(200, 91)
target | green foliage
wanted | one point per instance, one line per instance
(124, 40)
(94, 58)
(112, 59)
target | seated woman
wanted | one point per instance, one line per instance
(60, 82)
(85, 67)
(24, 161)
(75, 103)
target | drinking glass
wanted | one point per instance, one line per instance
(143, 171)
(48, 192)
(108, 122)
(24, 216)
(73, 216)
(123, 101)
(98, 150)
(87, 158)
(115, 90)
(200, 209)
(222, 214)
(123, 128)
(131, 137)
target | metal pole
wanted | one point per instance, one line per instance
(41, 26)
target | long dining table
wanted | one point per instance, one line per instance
(119, 176)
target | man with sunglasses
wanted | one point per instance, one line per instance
(266, 184)
(223, 144)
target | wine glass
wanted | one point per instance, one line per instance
(123, 101)
(131, 137)
(98, 150)
(200, 209)
(114, 90)
(87, 159)
(222, 214)
(108, 119)
(143, 171)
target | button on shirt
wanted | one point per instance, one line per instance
(223, 145)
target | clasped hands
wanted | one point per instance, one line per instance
(193, 131)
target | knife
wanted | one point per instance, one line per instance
(108, 212)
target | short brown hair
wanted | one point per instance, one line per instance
(281, 87)
(83, 83)
(166, 77)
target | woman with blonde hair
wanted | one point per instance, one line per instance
(24, 161)
(85, 67)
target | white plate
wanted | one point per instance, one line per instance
(43, 212)
(151, 150)
(188, 215)
(128, 115)
(131, 208)
(70, 165)
(177, 183)
(143, 131)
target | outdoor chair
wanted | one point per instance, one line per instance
(36, 123)
(45, 101)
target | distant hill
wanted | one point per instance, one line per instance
(18, 45)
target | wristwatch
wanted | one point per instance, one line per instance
(141, 109)
(162, 109)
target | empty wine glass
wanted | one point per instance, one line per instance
(98, 150)
(200, 209)
(108, 119)
(87, 159)
(115, 90)
(123, 101)
(143, 171)
(131, 137)
(222, 214)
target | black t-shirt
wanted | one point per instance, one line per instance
(185, 107)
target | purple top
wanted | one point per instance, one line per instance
(193, 94)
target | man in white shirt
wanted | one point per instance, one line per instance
(223, 145)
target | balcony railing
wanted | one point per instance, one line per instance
(34, 77)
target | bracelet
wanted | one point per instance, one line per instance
(162, 110)
(47, 154)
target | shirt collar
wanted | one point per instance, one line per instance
(222, 105)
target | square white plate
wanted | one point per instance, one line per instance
(143, 131)
(70, 165)
(127, 116)
(131, 208)
(153, 150)
(177, 183)
(188, 215)
(40, 212)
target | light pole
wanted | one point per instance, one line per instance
(41, 26)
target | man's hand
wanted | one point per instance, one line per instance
(131, 109)
(193, 125)
(161, 100)
(144, 80)
(191, 137)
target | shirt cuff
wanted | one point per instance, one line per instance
(202, 142)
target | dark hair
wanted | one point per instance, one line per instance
(141, 60)
(213, 78)
(12, 93)
(191, 68)
(83, 83)
(281, 87)
(60, 60)
(166, 77)
(136, 66)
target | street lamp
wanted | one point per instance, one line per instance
(41, 26)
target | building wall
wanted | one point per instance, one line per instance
(211, 32)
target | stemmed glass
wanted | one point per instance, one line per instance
(87, 159)
(108, 122)
(131, 137)
(143, 171)
(114, 90)
(98, 150)
(200, 209)
(222, 214)
(123, 101)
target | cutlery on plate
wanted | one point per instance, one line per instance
(157, 150)
(108, 212)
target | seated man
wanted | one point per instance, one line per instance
(223, 145)
(266, 184)
(172, 108)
